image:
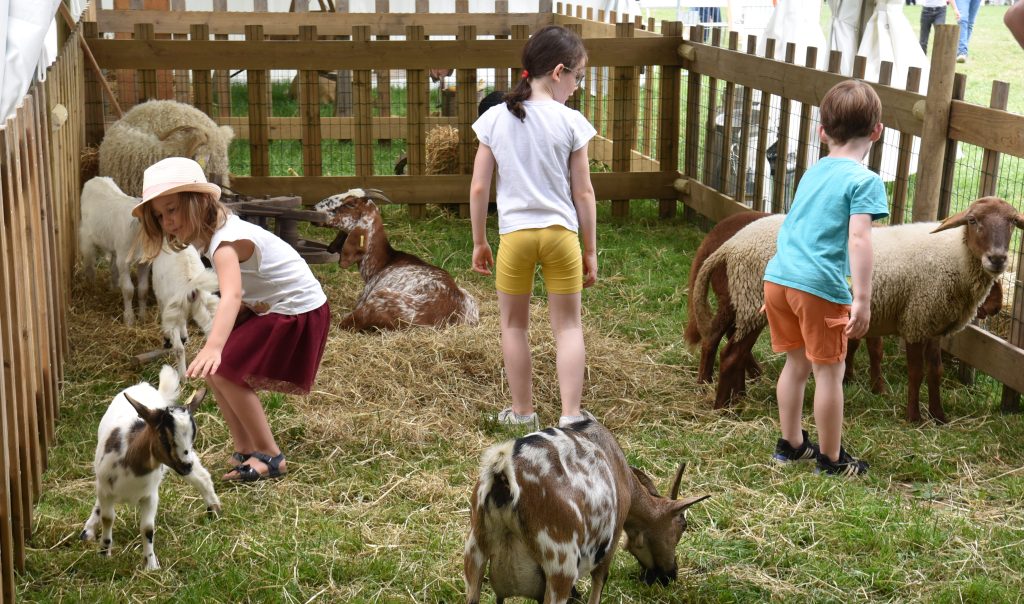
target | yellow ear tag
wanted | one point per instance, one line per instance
(362, 240)
(201, 160)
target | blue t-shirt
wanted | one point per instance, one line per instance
(812, 254)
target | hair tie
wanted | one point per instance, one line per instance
(525, 74)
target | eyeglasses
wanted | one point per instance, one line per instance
(579, 73)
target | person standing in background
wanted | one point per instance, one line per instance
(968, 10)
(933, 12)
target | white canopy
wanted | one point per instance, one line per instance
(29, 38)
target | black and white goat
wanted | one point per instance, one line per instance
(108, 225)
(184, 289)
(551, 506)
(143, 433)
(401, 289)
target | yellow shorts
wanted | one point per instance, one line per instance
(556, 248)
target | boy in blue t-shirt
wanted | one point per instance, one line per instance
(807, 296)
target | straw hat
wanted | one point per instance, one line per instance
(173, 175)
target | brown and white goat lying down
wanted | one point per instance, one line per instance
(401, 290)
(143, 433)
(550, 507)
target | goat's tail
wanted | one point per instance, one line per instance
(700, 307)
(470, 308)
(497, 486)
(206, 281)
(691, 334)
(169, 384)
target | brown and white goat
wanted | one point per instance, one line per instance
(401, 290)
(551, 506)
(143, 433)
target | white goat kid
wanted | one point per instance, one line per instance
(141, 434)
(551, 506)
(107, 225)
(184, 289)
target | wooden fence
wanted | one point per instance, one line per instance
(39, 186)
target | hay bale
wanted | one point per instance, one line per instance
(442, 150)
(89, 163)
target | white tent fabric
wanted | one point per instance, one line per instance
(23, 32)
(844, 30)
(796, 21)
(888, 36)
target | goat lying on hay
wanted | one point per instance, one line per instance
(551, 506)
(401, 290)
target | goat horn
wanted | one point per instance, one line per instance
(377, 194)
(674, 491)
(167, 134)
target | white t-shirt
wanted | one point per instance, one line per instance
(533, 162)
(275, 278)
(933, 3)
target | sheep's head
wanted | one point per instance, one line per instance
(346, 211)
(208, 147)
(175, 430)
(653, 528)
(989, 223)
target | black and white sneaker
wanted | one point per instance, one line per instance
(785, 453)
(846, 465)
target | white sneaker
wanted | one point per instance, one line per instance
(509, 417)
(568, 420)
(961, 58)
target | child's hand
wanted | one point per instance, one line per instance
(483, 260)
(205, 363)
(589, 268)
(860, 320)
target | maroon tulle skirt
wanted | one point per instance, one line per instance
(277, 352)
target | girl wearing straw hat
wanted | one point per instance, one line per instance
(271, 325)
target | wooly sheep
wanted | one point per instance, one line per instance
(143, 433)
(184, 289)
(550, 507)
(107, 225)
(928, 282)
(155, 130)
(401, 290)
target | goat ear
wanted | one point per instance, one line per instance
(956, 220)
(353, 251)
(195, 400)
(674, 491)
(680, 506)
(144, 412)
(645, 480)
(339, 242)
(1018, 221)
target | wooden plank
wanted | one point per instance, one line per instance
(501, 79)
(362, 96)
(711, 113)
(797, 83)
(383, 83)
(875, 155)
(988, 128)
(221, 77)
(989, 353)
(990, 159)
(692, 139)
(467, 111)
(762, 138)
(725, 182)
(949, 167)
(202, 83)
(901, 184)
(182, 87)
(669, 117)
(417, 98)
(934, 134)
(328, 23)
(746, 118)
(624, 120)
(780, 197)
(328, 54)
(259, 109)
(446, 187)
(804, 136)
(12, 534)
(309, 109)
(706, 201)
(146, 77)
(93, 95)
(595, 27)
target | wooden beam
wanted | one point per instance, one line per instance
(706, 200)
(936, 128)
(989, 353)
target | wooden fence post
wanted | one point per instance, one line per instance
(202, 85)
(624, 120)
(259, 112)
(93, 94)
(309, 111)
(362, 101)
(669, 116)
(466, 91)
(222, 77)
(936, 128)
(384, 85)
(418, 100)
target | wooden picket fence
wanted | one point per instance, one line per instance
(40, 147)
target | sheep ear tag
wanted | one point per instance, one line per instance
(195, 400)
(202, 160)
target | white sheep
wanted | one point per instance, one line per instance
(155, 130)
(143, 433)
(184, 289)
(107, 225)
(928, 281)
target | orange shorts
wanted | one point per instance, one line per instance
(798, 319)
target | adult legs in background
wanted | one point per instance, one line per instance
(930, 15)
(968, 13)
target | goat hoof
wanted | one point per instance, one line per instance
(213, 511)
(86, 536)
(153, 564)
